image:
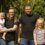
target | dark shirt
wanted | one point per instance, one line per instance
(9, 23)
(28, 25)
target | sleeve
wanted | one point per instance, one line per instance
(16, 22)
(34, 31)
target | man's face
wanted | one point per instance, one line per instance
(11, 12)
(28, 9)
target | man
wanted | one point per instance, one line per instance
(12, 26)
(27, 22)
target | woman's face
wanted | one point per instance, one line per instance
(11, 12)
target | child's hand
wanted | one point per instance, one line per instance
(1, 29)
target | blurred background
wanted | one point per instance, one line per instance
(37, 5)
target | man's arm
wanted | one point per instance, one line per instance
(19, 34)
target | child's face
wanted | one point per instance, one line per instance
(2, 16)
(40, 24)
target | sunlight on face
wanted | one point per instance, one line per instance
(28, 9)
(40, 23)
(11, 12)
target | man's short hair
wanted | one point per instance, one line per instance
(27, 6)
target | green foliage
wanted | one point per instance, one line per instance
(37, 5)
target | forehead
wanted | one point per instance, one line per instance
(40, 21)
(2, 14)
(11, 10)
(28, 7)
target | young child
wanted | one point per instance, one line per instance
(39, 32)
(2, 22)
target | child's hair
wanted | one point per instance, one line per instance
(2, 14)
(39, 20)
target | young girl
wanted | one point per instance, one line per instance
(39, 32)
(2, 22)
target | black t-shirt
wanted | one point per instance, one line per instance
(9, 23)
(28, 25)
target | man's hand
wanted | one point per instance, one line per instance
(19, 40)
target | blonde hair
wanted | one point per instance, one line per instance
(39, 20)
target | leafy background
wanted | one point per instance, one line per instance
(37, 5)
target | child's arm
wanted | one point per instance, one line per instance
(35, 40)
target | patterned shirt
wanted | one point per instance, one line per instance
(40, 36)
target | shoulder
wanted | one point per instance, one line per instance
(35, 15)
(35, 30)
(43, 30)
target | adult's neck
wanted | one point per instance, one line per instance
(30, 14)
